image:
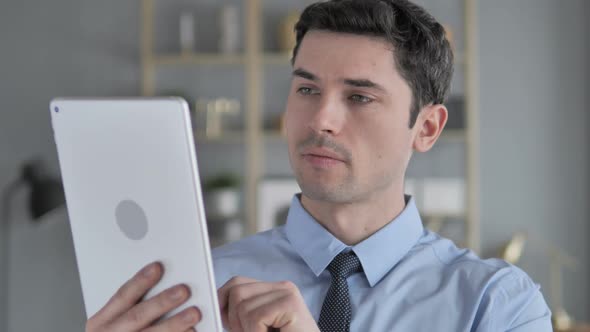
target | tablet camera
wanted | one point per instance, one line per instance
(56, 109)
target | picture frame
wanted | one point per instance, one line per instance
(274, 200)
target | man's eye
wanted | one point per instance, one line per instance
(360, 99)
(305, 91)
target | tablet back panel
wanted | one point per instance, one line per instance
(133, 197)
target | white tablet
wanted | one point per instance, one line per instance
(133, 196)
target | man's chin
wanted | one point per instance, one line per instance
(325, 194)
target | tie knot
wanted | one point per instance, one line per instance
(345, 264)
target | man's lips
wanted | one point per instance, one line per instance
(318, 154)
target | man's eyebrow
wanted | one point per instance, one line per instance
(363, 83)
(305, 74)
(357, 83)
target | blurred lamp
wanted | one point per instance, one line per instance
(512, 252)
(46, 194)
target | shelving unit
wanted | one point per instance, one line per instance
(203, 59)
(229, 137)
(255, 60)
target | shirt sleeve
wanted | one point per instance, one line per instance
(515, 304)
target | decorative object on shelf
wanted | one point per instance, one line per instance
(441, 202)
(275, 123)
(214, 110)
(512, 251)
(444, 196)
(274, 200)
(578, 327)
(187, 33)
(229, 27)
(286, 33)
(438, 196)
(222, 196)
(558, 258)
(222, 207)
(233, 230)
(561, 320)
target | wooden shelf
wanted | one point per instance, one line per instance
(277, 58)
(234, 59)
(227, 137)
(270, 134)
(447, 135)
(254, 60)
(453, 134)
(199, 59)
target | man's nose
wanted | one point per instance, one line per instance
(328, 117)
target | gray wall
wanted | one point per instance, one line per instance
(534, 136)
(47, 49)
(534, 173)
(587, 89)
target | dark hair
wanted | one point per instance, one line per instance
(422, 53)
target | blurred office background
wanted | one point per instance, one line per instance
(513, 166)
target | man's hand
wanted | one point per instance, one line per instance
(124, 312)
(249, 305)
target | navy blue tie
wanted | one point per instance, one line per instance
(336, 311)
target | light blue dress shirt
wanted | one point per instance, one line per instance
(412, 279)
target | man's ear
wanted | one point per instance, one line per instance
(429, 126)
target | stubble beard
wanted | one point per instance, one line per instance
(318, 190)
(346, 190)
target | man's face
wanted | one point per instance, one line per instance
(347, 118)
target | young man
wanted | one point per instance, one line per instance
(369, 81)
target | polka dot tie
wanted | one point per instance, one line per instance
(336, 311)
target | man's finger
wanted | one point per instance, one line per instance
(239, 293)
(223, 292)
(128, 295)
(259, 313)
(240, 290)
(182, 321)
(145, 313)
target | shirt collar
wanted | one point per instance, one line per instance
(378, 254)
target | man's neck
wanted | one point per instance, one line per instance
(354, 222)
